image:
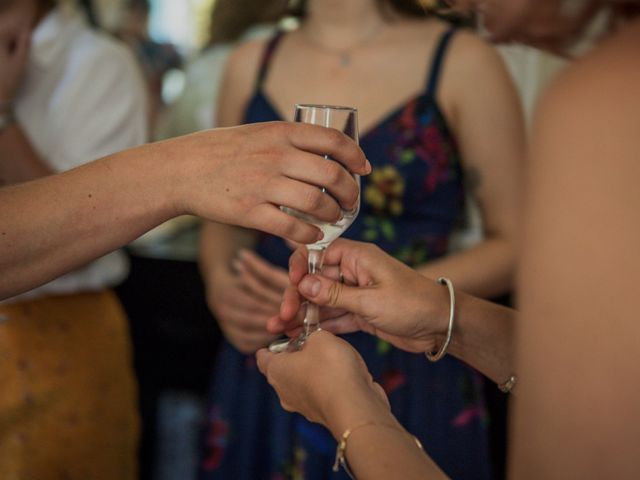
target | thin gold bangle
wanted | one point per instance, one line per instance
(434, 357)
(341, 458)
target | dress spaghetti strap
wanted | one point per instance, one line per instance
(267, 56)
(438, 60)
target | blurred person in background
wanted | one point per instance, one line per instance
(231, 22)
(430, 135)
(68, 402)
(156, 58)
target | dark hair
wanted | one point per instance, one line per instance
(410, 8)
(230, 19)
(140, 5)
(407, 8)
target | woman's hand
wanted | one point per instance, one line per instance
(327, 382)
(242, 316)
(380, 295)
(242, 175)
(265, 281)
(243, 299)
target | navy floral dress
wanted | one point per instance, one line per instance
(410, 204)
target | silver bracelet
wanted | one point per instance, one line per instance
(434, 357)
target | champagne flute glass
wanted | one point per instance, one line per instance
(344, 119)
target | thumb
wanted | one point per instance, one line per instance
(326, 292)
(263, 358)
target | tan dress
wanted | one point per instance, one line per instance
(67, 391)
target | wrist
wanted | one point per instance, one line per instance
(192, 159)
(355, 406)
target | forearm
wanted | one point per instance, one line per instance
(483, 336)
(51, 226)
(486, 270)
(378, 446)
(19, 162)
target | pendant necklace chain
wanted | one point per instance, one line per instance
(344, 54)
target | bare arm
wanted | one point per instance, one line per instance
(343, 396)
(486, 115)
(56, 224)
(578, 342)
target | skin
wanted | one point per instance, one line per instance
(57, 224)
(576, 345)
(20, 162)
(384, 297)
(493, 160)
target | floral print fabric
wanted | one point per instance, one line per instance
(410, 204)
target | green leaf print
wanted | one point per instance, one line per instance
(387, 229)
(383, 347)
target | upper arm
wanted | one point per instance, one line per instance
(102, 108)
(579, 338)
(238, 82)
(487, 118)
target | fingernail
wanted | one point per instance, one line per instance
(320, 236)
(368, 167)
(310, 286)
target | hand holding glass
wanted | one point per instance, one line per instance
(344, 119)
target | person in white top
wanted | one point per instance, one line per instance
(76, 95)
(79, 97)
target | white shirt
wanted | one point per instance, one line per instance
(83, 98)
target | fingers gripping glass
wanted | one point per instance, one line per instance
(344, 119)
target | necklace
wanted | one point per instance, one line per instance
(345, 55)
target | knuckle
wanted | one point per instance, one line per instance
(287, 227)
(314, 199)
(282, 128)
(337, 139)
(332, 172)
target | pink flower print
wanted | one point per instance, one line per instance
(216, 441)
(392, 380)
(467, 415)
(408, 117)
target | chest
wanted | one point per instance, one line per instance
(375, 82)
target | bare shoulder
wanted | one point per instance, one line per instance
(473, 65)
(244, 62)
(240, 74)
(606, 80)
(471, 53)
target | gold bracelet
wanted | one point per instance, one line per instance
(341, 459)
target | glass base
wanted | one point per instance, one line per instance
(287, 344)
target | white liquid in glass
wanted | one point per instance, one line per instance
(331, 231)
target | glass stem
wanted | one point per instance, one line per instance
(312, 318)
